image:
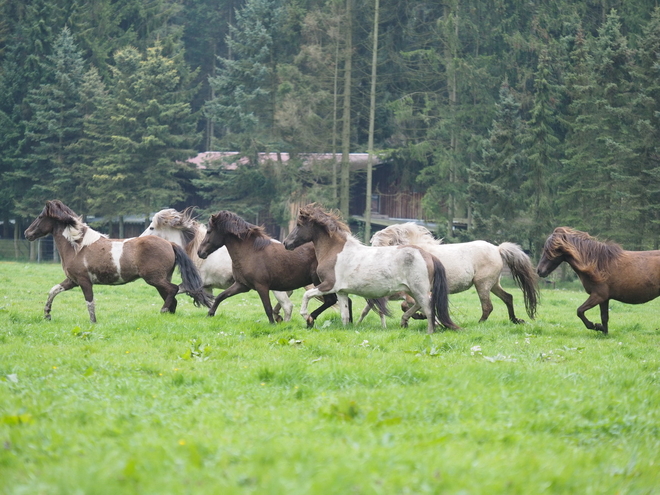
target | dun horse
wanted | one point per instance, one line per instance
(89, 258)
(216, 270)
(259, 262)
(605, 270)
(346, 266)
(477, 263)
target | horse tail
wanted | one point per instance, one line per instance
(523, 273)
(381, 306)
(192, 283)
(439, 295)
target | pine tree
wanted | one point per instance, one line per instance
(601, 165)
(245, 83)
(149, 133)
(541, 155)
(496, 180)
(53, 130)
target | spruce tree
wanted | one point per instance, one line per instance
(150, 132)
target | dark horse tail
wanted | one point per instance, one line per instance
(439, 296)
(524, 273)
(192, 283)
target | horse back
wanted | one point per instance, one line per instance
(635, 277)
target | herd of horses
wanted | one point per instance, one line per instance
(404, 261)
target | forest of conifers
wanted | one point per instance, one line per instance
(521, 115)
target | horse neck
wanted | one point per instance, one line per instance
(63, 245)
(327, 245)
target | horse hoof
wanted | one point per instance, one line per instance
(600, 328)
(310, 322)
(518, 321)
(47, 317)
(278, 318)
(210, 314)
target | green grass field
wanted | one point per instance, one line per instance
(154, 404)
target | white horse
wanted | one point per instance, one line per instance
(346, 266)
(477, 263)
(216, 270)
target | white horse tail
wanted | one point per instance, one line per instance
(439, 295)
(523, 273)
(191, 279)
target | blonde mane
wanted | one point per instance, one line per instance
(402, 234)
(192, 231)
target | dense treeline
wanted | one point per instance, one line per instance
(519, 116)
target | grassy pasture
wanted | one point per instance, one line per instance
(151, 404)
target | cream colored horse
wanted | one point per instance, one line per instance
(476, 263)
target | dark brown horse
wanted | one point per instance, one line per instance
(605, 270)
(89, 258)
(259, 262)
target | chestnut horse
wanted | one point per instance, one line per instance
(89, 258)
(346, 266)
(181, 228)
(476, 263)
(605, 269)
(259, 262)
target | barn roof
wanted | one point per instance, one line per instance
(232, 159)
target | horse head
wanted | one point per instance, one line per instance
(556, 250)
(224, 225)
(174, 226)
(312, 218)
(55, 212)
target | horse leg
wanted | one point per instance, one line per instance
(305, 302)
(86, 286)
(506, 299)
(408, 314)
(344, 302)
(365, 311)
(283, 302)
(483, 291)
(264, 295)
(236, 288)
(591, 302)
(168, 292)
(329, 300)
(604, 317)
(61, 287)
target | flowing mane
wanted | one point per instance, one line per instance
(404, 233)
(329, 220)
(231, 223)
(191, 230)
(78, 233)
(590, 255)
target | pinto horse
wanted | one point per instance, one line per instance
(216, 270)
(259, 262)
(476, 263)
(605, 269)
(89, 258)
(346, 266)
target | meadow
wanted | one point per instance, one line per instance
(155, 404)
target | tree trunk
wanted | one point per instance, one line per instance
(372, 119)
(346, 117)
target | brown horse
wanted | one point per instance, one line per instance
(605, 270)
(89, 258)
(259, 262)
